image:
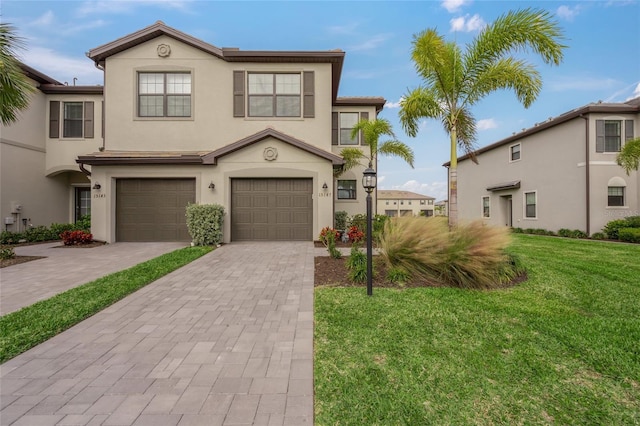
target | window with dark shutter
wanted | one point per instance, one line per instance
(309, 95)
(599, 135)
(628, 130)
(335, 118)
(88, 120)
(54, 119)
(238, 93)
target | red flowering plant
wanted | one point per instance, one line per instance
(355, 234)
(325, 232)
(71, 238)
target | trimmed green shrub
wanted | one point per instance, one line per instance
(612, 228)
(564, 232)
(38, 233)
(576, 233)
(84, 223)
(204, 222)
(7, 252)
(56, 229)
(340, 219)
(598, 236)
(629, 235)
(8, 237)
(517, 230)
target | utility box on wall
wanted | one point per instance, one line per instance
(16, 207)
(8, 220)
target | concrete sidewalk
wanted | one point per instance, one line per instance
(65, 267)
(225, 340)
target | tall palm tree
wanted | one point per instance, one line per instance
(371, 132)
(455, 80)
(629, 156)
(15, 89)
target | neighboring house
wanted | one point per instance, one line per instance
(561, 173)
(441, 208)
(259, 132)
(40, 181)
(394, 203)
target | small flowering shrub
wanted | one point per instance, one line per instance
(6, 253)
(355, 234)
(324, 235)
(71, 238)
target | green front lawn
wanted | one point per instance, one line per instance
(561, 348)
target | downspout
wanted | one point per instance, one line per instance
(83, 170)
(588, 174)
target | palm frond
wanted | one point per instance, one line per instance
(397, 149)
(15, 89)
(419, 103)
(353, 157)
(629, 156)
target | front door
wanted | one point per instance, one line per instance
(82, 202)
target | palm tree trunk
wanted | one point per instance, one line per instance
(453, 181)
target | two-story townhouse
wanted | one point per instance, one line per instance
(561, 173)
(258, 132)
(396, 203)
(40, 181)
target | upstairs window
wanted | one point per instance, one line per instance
(348, 120)
(274, 95)
(346, 190)
(530, 203)
(486, 207)
(73, 120)
(514, 152)
(164, 94)
(610, 134)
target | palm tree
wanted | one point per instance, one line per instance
(15, 89)
(371, 132)
(455, 80)
(629, 156)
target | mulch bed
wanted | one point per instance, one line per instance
(334, 273)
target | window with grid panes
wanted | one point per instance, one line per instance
(164, 94)
(274, 95)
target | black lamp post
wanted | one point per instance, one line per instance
(369, 184)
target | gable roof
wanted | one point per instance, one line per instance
(394, 194)
(334, 57)
(630, 106)
(212, 157)
(199, 157)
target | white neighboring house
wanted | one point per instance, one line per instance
(395, 203)
(561, 173)
(179, 121)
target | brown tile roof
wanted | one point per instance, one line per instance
(393, 194)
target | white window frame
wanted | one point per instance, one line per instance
(165, 95)
(275, 94)
(482, 206)
(353, 190)
(511, 160)
(620, 135)
(64, 120)
(351, 142)
(524, 205)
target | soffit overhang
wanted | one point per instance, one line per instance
(515, 184)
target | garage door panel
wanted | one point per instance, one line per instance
(153, 209)
(280, 209)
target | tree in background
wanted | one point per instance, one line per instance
(372, 131)
(455, 80)
(15, 89)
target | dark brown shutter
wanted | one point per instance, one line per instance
(628, 130)
(102, 118)
(599, 135)
(309, 95)
(88, 120)
(334, 128)
(54, 119)
(363, 116)
(238, 93)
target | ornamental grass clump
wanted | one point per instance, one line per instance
(470, 255)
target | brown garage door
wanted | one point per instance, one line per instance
(153, 209)
(271, 209)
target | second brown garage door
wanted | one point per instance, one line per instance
(271, 209)
(153, 209)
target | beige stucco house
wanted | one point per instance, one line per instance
(561, 173)
(395, 203)
(182, 121)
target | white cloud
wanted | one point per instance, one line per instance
(437, 189)
(371, 43)
(568, 12)
(636, 92)
(381, 179)
(63, 68)
(45, 20)
(486, 124)
(120, 7)
(467, 23)
(393, 105)
(454, 5)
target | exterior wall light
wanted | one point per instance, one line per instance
(212, 186)
(96, 185)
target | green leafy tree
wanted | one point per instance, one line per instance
(15, 89)
(372, 131)
(455, 80)
(629, 156)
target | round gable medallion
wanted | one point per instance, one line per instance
(164, 50)
(270, 153)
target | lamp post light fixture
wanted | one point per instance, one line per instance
(369, 184)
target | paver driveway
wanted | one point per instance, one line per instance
(225, 340)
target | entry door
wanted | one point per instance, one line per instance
(507, 202)
(82, 202)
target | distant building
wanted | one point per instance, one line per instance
(441, 208)
(394, 203)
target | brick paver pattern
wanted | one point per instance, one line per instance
(225, 340)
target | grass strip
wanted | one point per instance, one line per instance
(31, 325)
(561, 348)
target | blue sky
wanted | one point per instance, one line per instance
(602, 60)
